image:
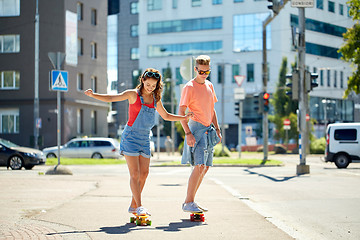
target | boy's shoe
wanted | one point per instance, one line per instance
(132, 210)
(141, 211)
(202, 208)
(191, 207)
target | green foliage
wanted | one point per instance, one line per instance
(284, 107)
(351, 49)
(318, 146)
(218, 151)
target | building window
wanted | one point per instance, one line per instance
(134, 30)
(134, 8)
(194, 24)
(93, 50)
(321, 77)
(93, 17)
(335, 79)
(9, 80)
(80, 46)
(193, 48)
(174, 4)
(9, 121)
(237, 1)
(320, 4)
(216, 2)
(341, 9)
(320, 50)
(341, 79)
(196, 3)
(135, 54)
(9, 43)
(247, 32)
(93, 122)
(250, 72)
(9, 8)
(80, 11)
(154, 5)
(94, 83)
(219, 73)
(235, 71)
(80, 81)
(331, 6)
(80, 121)
(318, 26)
(328, 78)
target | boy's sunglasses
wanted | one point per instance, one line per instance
(152, 74)
(201, 72)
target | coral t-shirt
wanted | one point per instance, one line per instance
(199, 99)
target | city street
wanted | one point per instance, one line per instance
(243, 202)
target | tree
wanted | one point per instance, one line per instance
(351, 49)
(284, 107)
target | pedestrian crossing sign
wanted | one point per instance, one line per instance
(59, 80)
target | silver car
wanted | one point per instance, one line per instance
(86, 148)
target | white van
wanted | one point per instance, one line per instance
(342, 144)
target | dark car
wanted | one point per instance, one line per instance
(16, 157)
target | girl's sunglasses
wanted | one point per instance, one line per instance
(152, 74)
(201, 72)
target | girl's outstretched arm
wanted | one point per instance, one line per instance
(126, 95)
(169, 116)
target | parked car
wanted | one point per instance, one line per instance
(342, 144)
(96, 147)
(16, 157)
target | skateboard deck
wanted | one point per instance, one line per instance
(140, 220)
(197, 217)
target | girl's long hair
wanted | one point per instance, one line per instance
(159, 85)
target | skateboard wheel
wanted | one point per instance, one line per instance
(132, 219)
(148, 222)
(138, 222)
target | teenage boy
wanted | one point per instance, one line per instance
(198, 96)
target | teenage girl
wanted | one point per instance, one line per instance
(135, 139)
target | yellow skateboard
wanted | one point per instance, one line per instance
(140, 220)
(197, 217)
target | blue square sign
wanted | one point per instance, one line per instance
(59, 80)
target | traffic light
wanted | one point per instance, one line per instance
(266, 103)
(274, 6)
(293, 85)
(258, 103)
(237, 109)
(310, 80)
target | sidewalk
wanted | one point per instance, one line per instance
(93, 203)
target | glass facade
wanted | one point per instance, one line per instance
(247, 32)
(112, 52)
(193, 48)
(154, 5)
(196, 24)
(250, 72)
(318, 26)
(320, 50)
(337, 110)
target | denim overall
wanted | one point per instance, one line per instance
(135, 139)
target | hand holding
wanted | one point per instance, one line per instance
(189, 114)
(89, 92)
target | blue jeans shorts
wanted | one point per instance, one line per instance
(202, 154)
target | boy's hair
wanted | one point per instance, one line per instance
(202, 60)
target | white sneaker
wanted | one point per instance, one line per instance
(141, 211)
(202, 208)
(191, 207)
(132, 210)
